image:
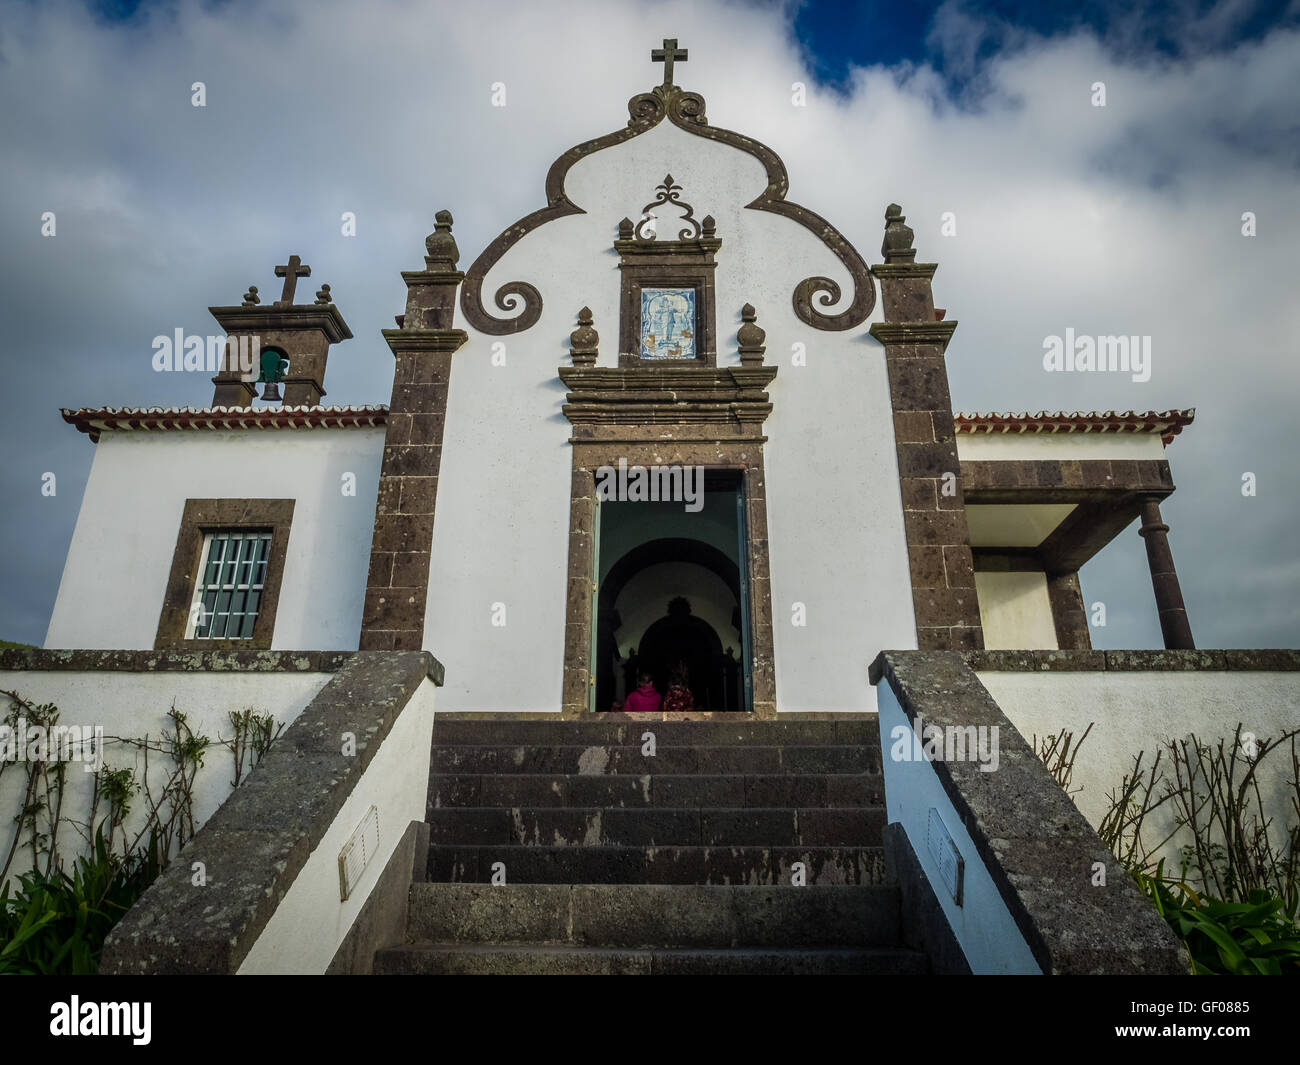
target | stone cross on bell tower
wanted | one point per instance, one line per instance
(291, 271)
(666, 55)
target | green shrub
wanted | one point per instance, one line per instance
(56, 923)
(1250, 938)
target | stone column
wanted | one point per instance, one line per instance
(1069, 615)
(934, 510)
(398, 583)
(1164, 580)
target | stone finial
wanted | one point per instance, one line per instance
(323, 297)
(751, 337)
(583, 340)
(710, 225)
(441, 245)
(251, 298)
(897, 245)
(625, 229)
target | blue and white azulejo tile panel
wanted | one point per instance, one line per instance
(668, 323)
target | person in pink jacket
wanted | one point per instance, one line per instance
(645, 700)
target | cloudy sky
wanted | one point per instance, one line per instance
(1120, 219)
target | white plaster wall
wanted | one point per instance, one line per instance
(116, 572)
(1136, 712)
(982, 924)
(310, 922)
(1015, 611)
(644, 600)
(132, 705)
(836, 541)
(1060, 446)
(1014, 524)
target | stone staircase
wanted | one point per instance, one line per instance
(684, 861)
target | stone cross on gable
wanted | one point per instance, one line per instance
(666, 55)
(291, 271)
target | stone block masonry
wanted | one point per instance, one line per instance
(397, 584)
(934, 511)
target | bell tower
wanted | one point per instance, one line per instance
(285, 343)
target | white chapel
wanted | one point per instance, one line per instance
(593, 647)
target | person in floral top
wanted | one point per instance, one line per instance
(679, 697)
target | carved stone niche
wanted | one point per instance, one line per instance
(668, 285)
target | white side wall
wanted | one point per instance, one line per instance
(131, 705)
(1136, 712)
(116, 572)
(1015, 611)
(310, 922)
(1014, 524)
(836, 539)
(982, 924)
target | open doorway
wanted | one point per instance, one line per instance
(672, 598)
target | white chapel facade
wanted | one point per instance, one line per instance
(672, 315)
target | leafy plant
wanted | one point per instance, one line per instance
(1234, 904)
(254, 733)
(1213, 799)
(1249, 938)
(57, 923)
(40, 809)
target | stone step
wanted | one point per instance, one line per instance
(655, 915)
(483, 960)
(562, 826)
(669, 760)
(697, 790)
(468, 863)
(627, 729)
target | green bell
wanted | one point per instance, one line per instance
(274, 365)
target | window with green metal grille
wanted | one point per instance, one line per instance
(230, 584)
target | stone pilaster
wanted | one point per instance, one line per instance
(229, 388)
(1069, 615)
(397, 586)
(1174, 626)
(934, 510)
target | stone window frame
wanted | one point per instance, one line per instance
(203, 516)
(667, 264)
(741, 455)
